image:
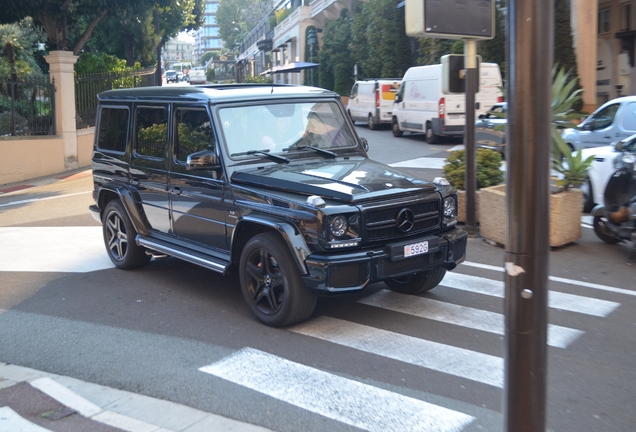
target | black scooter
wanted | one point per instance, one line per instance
(615, 221)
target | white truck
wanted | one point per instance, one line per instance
(371, 101)
(197, 76)
(421, 105)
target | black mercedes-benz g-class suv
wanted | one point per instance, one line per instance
(271, 181)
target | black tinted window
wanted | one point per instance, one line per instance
(113, 129)
(152, 131)
(194, 132)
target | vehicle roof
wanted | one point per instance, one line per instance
(214, 93)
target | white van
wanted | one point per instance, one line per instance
(613, 121)
(371, 101)
(421, 106)
(197, 76)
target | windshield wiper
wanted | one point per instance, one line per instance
(319, 150)
(265, 152)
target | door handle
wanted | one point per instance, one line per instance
(134, 181)
(176, 190)
(607, 137)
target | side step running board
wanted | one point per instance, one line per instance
(190, 256)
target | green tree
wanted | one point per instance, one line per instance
(236, 18)
(430, 50)
(335, 52)
(379, 42)
(18, 47)
(494, 50)
(206, 56)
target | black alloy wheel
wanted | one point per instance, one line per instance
(271, 283)
(119, 238)
(603, 232)
(417, 283)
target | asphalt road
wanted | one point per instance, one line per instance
(374, 361)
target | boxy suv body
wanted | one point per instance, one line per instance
(268, 181)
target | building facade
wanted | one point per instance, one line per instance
(207, 37)
(176, 51)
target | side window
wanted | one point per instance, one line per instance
(113, 129)
(151, 131)
(194, 132)
(605, 117)
(629, 117)
(354, 91)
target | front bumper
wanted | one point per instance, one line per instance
(331, 274)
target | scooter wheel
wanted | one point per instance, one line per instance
(603, 232)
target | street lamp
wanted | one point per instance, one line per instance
(311, 40)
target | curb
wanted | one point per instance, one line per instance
(117, 408)
(42, 181)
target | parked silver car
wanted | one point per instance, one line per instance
(489, 131)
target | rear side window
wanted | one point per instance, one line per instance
(629, 118)
(113, 129)
(152, 131)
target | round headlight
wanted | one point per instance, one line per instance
(338, 226)
(449, 207)
(629, 158)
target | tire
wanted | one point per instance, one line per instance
(119, 238)
(271, 283)
(370, 122)
(431, 138)
(588, 196)
(395, 128)
(417, 283)
(603, 232)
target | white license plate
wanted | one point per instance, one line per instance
(456, 116)
(416, 249)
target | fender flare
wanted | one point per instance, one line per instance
(292, 236)
(127, 197)
(599, 210)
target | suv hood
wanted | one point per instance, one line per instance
(351, 181)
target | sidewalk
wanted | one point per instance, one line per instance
(34, 401)
(41, 181)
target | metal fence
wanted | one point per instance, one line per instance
(27, 107)
(88, 86)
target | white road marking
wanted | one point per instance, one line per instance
(53, 249)
(559, 279)
(556, 299)
(491, 322)
(27, 201)
(344, 400)
(448, 359)
(66, 396)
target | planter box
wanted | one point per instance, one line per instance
(565, 215)
(461, 206)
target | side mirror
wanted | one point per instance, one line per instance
(589, 125)
(365, 144)
(618, 146)
(482, 116)
(398, 98)
(202, 160)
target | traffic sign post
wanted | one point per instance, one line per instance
(528, 139)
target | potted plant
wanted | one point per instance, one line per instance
(488, 174)
(569, 169)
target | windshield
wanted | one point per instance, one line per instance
(281, 128)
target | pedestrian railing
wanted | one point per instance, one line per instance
(27, 107)
(88, 86)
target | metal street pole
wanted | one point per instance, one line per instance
(531, 33)
(470, 62)
(158, 78)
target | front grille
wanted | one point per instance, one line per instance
(382, 223)
(388, 268)
(347, 275)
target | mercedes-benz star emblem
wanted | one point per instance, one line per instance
(405, 220)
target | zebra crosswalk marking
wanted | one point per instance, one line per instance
(460, 362)
(556, 300)
(463, 316)
(341, 399)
